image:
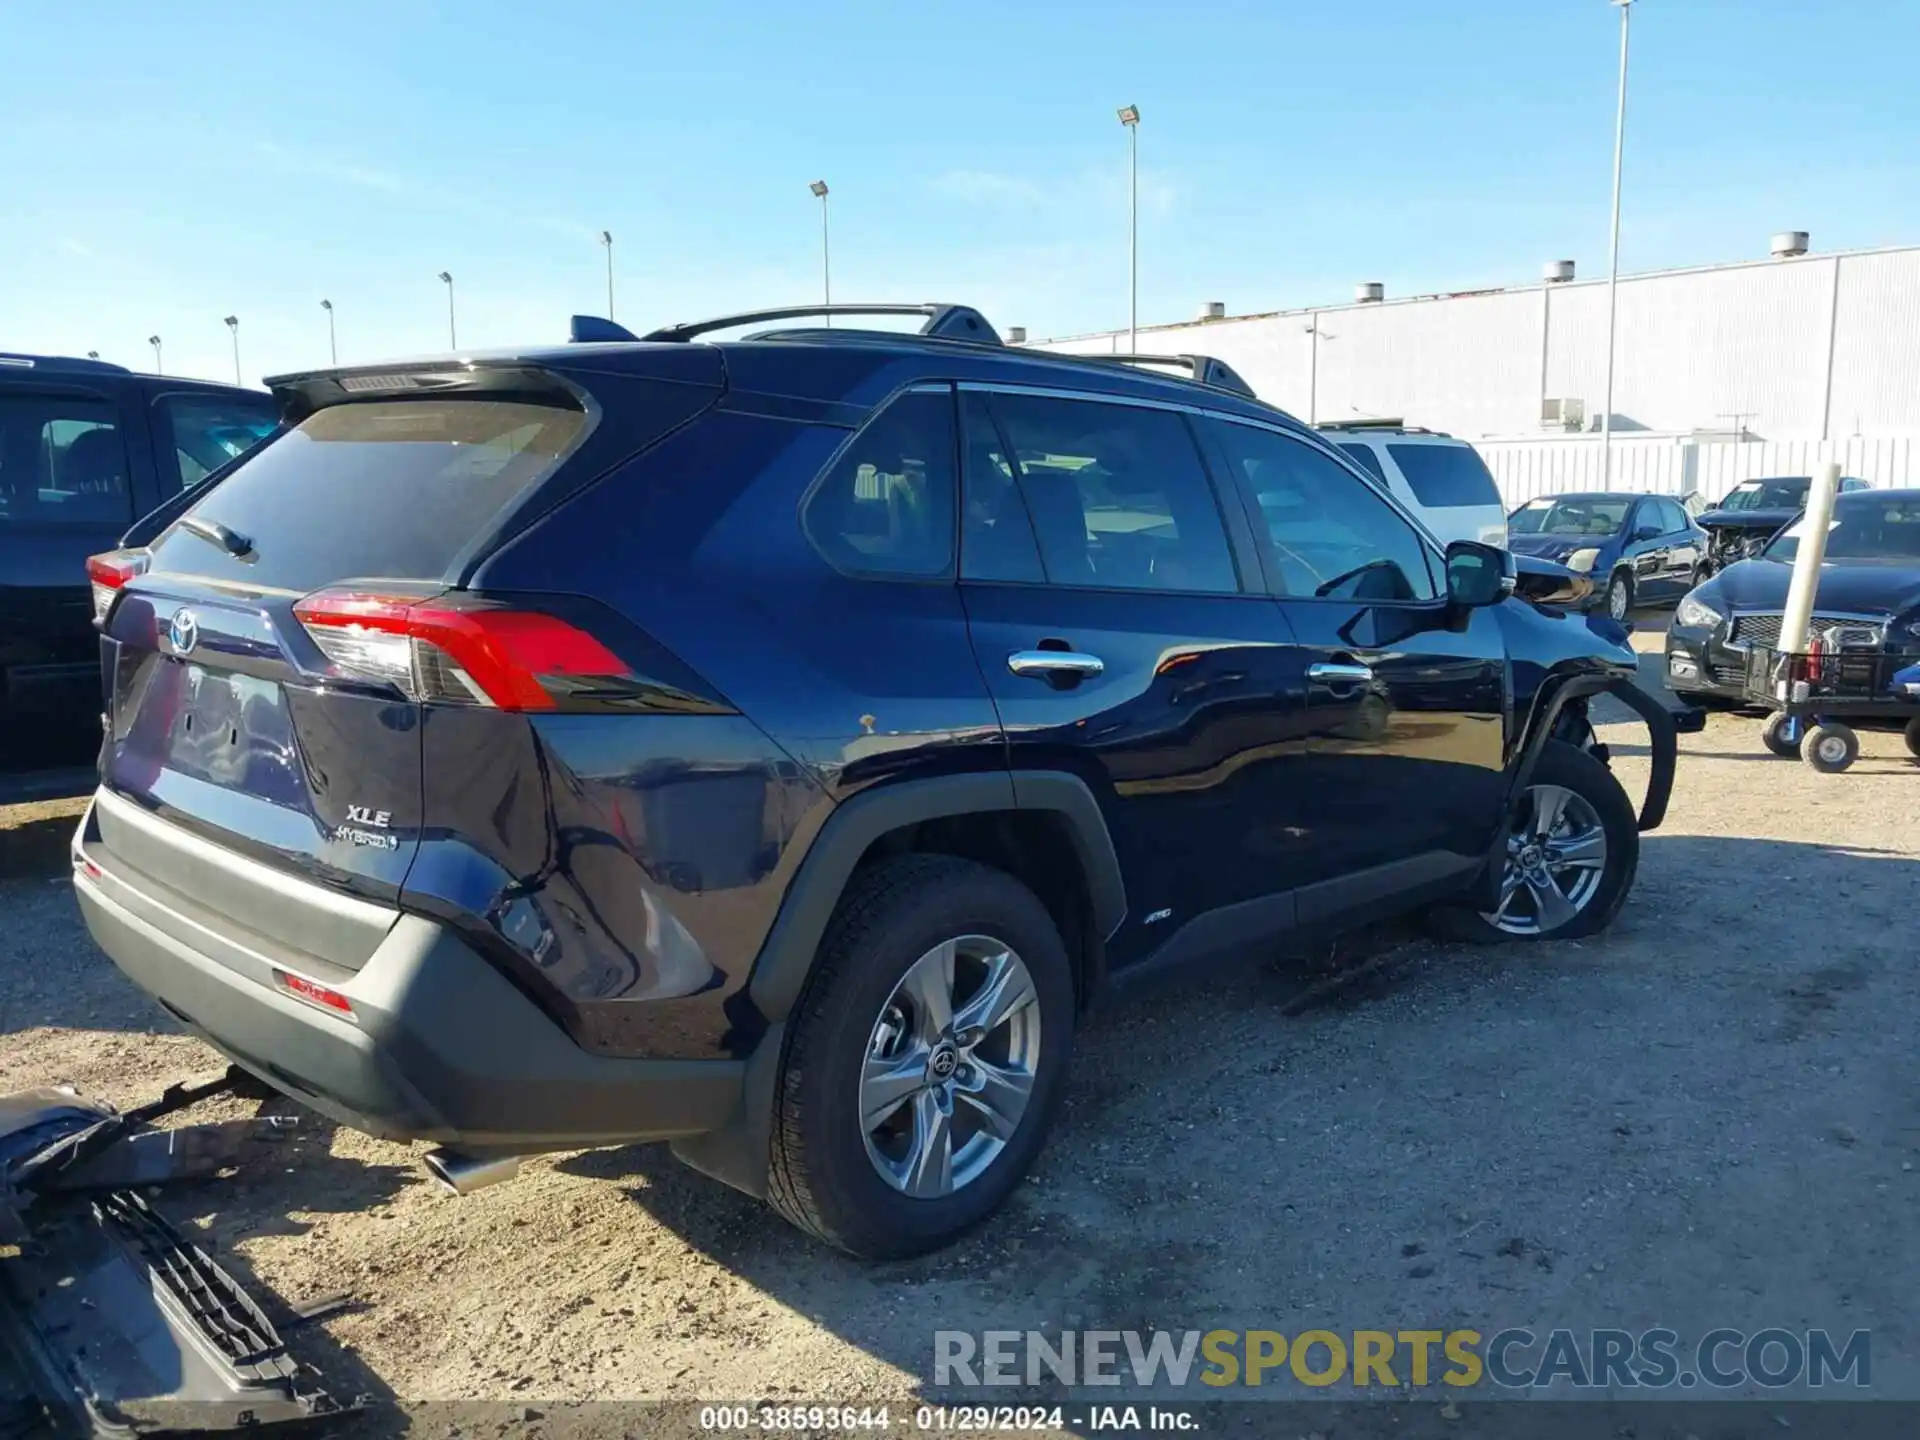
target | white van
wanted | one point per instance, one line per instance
(1442, 480)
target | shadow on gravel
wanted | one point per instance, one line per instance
(1096, 1238)
(37, 847)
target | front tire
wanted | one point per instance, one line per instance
(1620, 596)
(926, 1058)
(1570, 860)
(1782, 733)
(1913, 736)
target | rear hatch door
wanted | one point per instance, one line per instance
(244, 713)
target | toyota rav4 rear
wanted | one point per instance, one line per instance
(326, 803)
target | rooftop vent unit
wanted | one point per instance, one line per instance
(1214, 310)
(1557, 272)
(1568, 414)
(1369, 292)
(1016, 334)
(1789, 243)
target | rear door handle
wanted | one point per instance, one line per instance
(1045, 664)
(1339, 673)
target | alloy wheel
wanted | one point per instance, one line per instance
(1618, 600)
(1556, 859)
(950, 1066)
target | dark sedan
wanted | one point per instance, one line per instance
(1752, 513)
(1637, 549)
(1869, 593)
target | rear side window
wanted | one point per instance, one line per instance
(63, 462)
(1363, 456)
(885, 507)
(391, 489)
(1445, 477)
(1117, 495)
(1673, 518)
(200, 433)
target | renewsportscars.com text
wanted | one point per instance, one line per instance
(1512, 1359)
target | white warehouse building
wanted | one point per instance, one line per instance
(1722, 372)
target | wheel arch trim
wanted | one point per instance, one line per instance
(786, 959)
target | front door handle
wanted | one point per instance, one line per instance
(1049, 664)
(1332, 673)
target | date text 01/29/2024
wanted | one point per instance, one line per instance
(950, 1419)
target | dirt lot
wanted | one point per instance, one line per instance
(1706, 1118)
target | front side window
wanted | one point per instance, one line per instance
(1116, 494)
(204, 432)
(62, 462)
(886, 506)
(1330, 535)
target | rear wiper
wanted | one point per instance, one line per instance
(230, 540)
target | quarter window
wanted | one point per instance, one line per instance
(1329, 534)
(886, 505)
(204, 432)
(1116, 494)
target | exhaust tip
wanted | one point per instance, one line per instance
(463, 1174)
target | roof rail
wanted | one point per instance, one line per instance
(1393, 423)
(1205, 369)
(588, 329)
(58, 363)
(949, 322)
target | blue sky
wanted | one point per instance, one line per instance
(164, 166)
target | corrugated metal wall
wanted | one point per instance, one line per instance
(1525, 469)
(1820, 347)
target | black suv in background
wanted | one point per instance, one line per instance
(85, 447)
(775, 745)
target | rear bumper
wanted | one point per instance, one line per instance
(441, 1046)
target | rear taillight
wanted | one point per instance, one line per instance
(458, 651)
(1816, 658)
(313, 992)
(109, 572)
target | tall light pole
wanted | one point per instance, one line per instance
(1613, 261)
(606, 239)
(233, 329)
(452, 342)
(819, 188)
(333, 347)
(1130, 118)
(158, 368)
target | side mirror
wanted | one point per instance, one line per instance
(1648, 532)
(1478, 574)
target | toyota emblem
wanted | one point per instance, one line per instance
(183, 633)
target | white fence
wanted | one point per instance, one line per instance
(1681, 465)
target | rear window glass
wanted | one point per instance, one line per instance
(62, 462)
(377, 489)
(1444, 477)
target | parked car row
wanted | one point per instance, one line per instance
(85, 447)
(775, 744)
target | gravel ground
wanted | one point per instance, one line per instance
(1705, 1118)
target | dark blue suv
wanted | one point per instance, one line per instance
(776, 745)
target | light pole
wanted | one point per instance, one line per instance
(606, 239)
(158, 368)
(1313, 370)
(1130, 118)
(333, 348)
(819, 188)
(233, 329)
(452, 342)
(1613, 261)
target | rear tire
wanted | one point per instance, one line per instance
(1830, 748)
(1588, 802)
(1620, 596)
(1782, 734)
(1913, 736)
(859, 1187)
